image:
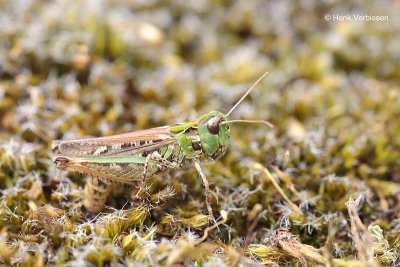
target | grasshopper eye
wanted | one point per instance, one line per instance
(213, 126)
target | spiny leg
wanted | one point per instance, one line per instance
(206, 189)
(160, 161)
(145, 173)
(96, 193)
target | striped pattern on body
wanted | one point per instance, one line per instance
(122, 159)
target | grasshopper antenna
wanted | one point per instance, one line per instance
(248, 92)
(250, 121)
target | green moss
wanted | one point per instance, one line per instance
(71, 70)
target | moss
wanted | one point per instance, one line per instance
(72, 70)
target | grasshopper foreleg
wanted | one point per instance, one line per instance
(206, 189)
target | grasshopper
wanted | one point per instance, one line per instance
(131, 158)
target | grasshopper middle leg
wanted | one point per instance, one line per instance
(147, 171)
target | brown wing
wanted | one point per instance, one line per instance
(122, 144)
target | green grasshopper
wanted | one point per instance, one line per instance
(131, 158)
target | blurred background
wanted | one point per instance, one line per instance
(74, 69)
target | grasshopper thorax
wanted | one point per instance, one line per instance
(214, 134)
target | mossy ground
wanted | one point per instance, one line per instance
(72, 69)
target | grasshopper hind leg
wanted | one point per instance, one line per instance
(96, 193)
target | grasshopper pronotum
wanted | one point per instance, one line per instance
(132, 157)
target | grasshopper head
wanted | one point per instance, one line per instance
(214, 135)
